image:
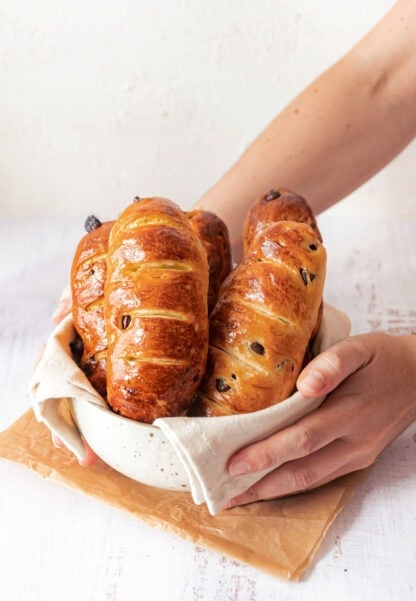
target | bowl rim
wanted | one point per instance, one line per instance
(113, 414)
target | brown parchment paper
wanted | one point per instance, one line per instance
(280, 537)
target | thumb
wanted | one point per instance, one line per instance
(328, 369)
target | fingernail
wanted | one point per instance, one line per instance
(237, 468)
(313, 382)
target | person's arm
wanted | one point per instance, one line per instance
(347, 125)
(342, 129)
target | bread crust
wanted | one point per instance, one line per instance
(155, 311)
(214, 236)
(276, 205)
(262, 324)
(88, 275)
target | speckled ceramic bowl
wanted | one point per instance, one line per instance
(139, 451)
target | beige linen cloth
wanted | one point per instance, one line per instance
(204, 445)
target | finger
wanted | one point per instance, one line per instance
(89, 457)
(57, 442)
(328, 369)
(311, 433)
(334, 460)
(64, 306)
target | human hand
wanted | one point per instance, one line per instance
(370, 380)
(89, 456)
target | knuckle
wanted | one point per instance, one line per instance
(304, 477)
(361, 347)
(253, 494)
(332, 361)
(335, 360)
(264, 460)
(367, 458)
(306, 442)
(364, 455)
(358, 345)
(366, 462)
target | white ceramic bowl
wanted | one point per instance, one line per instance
(139, 451)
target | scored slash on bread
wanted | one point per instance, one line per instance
(88, 275)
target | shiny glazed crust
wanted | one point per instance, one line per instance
(155, 311)
(88, 274)
(262, 324)
(213, 234)
(276, 205)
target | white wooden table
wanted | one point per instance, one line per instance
(57, 544)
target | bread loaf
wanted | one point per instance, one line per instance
(213, 234)
(261, 326)
(88, 274)
(280, 205)
(155, 311)
(276, 205)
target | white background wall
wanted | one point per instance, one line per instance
(101, 100)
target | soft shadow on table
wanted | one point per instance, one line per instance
(392, 468)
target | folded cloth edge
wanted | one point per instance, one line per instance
(47, 407)
(212, 486)
(220, 440)
(198, 441)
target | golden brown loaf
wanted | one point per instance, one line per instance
(213, 234)
(155, 311)
(276, 205)
(263, 321)
(279, 205)
(88, 274)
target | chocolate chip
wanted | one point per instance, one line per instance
(131, 391)
(125, 322)
(137, 199)
(271, 195)
(221, 385)
(91, 272)
(89, 366)
(304, 275)
(257, 348)
(312, 276)
(234, 377)
(77, 348)
(313, 247)
(92, 223)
